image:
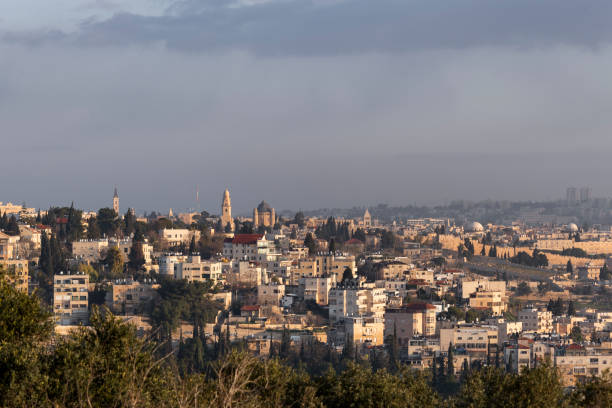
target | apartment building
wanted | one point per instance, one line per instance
(125, 296)
(411, 320)
(364, 330)
(176, 236)
(327, 264)
(475, 340)
(486, 299)
(536, 320)
(194, 269)
(270, 294)
(70, 298)
(16, 273)
(125, 246)
(251, 247)
(245, 273)
(389, 270)
(466, 287)
(7, 246)
(89, 250)
(317, 288)
(356, 299)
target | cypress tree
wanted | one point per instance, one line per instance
(571, 309)
(450, 367)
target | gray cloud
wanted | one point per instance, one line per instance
(310, 104)
(355, 26)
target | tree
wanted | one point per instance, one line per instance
(604, 273)
(299, 219)
(594, 393)
(360, 235)
(136, 258)
(450, 366)
(388, 240)
(576, 335)
(310, 243)
(491, 387)
(12, 228)
(24, 325)
(558, 307)
(192, 245)
(523, 289)
(569, 267)
(129, 222)
(93, 231)
(114, 262)
(347, 275)
(482, 251)
(106, 365)
(107, 221)
(571, 309)
(332, 245)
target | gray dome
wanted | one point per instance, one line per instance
(264, 207)
(572, 227)
(473, 227)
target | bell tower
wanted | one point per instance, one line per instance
(226, 210)
(116, 201)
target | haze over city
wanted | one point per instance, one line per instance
(307, 104)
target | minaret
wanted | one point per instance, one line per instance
(116, 201)
(226, 210)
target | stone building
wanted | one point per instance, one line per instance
(264, 215)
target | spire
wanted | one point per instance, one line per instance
(116, 195)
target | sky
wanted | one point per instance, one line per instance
(304, 103)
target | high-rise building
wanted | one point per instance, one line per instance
(116, 201)
(226, 211)
(585, 194)
(570, 195)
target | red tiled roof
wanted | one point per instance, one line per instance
(244, 239)
(250, 308)
(353, 241)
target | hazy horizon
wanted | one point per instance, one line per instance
(304, 104)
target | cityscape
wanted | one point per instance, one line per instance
(305, 204)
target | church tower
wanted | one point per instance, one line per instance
(367, 219)
(226, 211)
(116, 201)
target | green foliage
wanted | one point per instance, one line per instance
(491, 387)
(107, 221)
(181, 300)
(536, 260)
(576, 335)
(299, 219)
(310, 243)
(136, 259)
(604, 273)
(103, 366)
(575, 252)
(358, 387)
(523, 289)
(594, 393)
(114, 263)
(24, 324)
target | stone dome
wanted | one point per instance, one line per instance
(473, 227)
(572, 227)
